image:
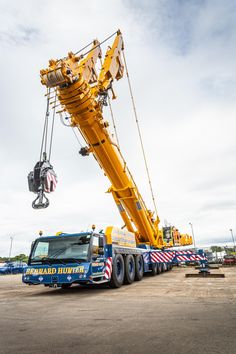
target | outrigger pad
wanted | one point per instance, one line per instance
(42, 179)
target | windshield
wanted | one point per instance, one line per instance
(2, 265)
(61, 249)
(167, 234)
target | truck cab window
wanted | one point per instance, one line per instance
(95, 246)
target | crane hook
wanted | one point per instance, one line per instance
(42, 179)
(41, 202)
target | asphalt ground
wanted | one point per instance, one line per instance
(164, 314)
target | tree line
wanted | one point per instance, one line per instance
(20, 257)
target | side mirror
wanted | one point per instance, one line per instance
(101, 251)
(32, 245)
(100, 242)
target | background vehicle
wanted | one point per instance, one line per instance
(229, 260)
(12, 267)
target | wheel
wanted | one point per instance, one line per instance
(159, 268)
(118, 272)
(129, 269)
(65, 286)
(154, 269)
(138, 267)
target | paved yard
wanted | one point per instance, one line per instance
(166, 314)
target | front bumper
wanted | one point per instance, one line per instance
(57, 275)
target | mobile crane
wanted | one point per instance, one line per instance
(119, 255)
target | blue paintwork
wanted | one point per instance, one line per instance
(64, 234)
(13, 267)
(39, 273)
(90, 272)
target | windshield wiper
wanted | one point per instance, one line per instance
(77, 260)
(40, 261)
(46, 260)
(60, 260)
(50, 261)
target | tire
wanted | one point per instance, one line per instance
(154, 269)
(138, 267)
(118, 272)
(159, 268)
(65, 286)
(129, 269)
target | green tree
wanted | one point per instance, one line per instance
(216, 249)
(20, 257)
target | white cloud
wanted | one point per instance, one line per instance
(184, 81)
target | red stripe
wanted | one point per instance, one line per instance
(182, 258)
(165, 256)
(157, 257)
(108, 269)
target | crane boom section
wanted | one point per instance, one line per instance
(113, 67)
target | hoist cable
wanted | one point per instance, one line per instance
(44, 137)
(112, 114)
(79, 51)
(98, 45)
(76, 137)
(52, 127)
(46, 131)
(139, 132)
(113, 121)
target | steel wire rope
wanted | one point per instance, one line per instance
(112, 114)
(139, 133)
(79, 51)
(70, 126)
(52, 127)
(113, 120)
(45, 128)
(76, 137)
(99, 44)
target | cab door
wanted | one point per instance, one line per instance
(98, 257)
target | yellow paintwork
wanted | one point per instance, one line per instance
(79, 90)
(120, 237)
(59, 233)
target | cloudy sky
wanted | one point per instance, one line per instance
(181, 59)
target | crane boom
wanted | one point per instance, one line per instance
(82, 93)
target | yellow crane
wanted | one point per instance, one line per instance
(82, 93)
